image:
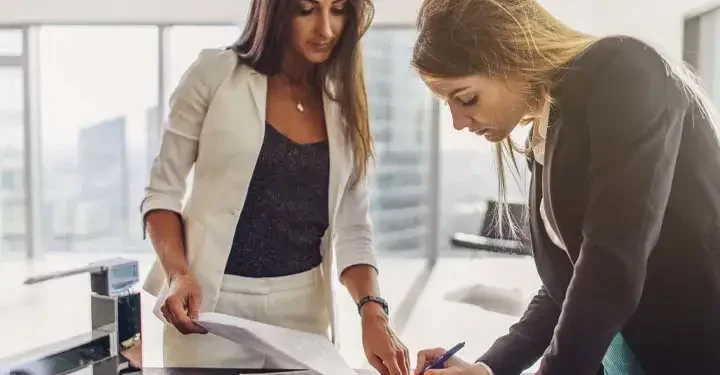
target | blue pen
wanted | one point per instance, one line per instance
(440, 362)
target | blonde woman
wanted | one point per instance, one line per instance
(625, 194)
(277, 130)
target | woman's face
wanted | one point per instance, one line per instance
(317, 27)
(483, 105)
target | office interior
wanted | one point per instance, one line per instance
(84, 88)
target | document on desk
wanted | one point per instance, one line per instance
(309, 351)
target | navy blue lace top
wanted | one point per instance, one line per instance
(286, 210)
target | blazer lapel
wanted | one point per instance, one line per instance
(339, 155)
(553, 264)
(551, 143)
(258, 91)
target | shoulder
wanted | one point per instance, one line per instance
(611, 46)
(215, 59)
(623, 53)
(212, 66)
(622, 68)
(626, 63)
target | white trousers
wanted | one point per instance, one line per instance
(295, 301)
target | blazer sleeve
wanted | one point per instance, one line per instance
(635, 114)
(527, 339)
(179, 145)
(353, 228)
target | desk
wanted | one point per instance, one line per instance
(216, 371)
(203, 371)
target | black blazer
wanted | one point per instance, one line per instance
(632, 185)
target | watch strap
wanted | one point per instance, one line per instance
(373, 299)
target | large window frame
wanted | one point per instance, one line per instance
(700, 50)
(21, 61)
(32, 155)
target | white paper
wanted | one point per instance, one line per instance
(308, 350)
(309, 372)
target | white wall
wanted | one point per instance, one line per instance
(152, 11)
(576, 12)
(659, 22)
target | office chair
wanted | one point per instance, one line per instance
(489, 237)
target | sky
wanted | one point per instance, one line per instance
(92, 73)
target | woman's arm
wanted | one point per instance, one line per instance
(356, 261)
(358, 272)
(635, 115)
(527, 339)
(361, 281)
(166, 234)
(162, 205)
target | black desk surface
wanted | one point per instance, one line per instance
(200, 371)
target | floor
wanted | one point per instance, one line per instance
(431, 307)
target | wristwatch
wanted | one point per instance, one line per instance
(373, 299)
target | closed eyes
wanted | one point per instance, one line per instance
(468, 102)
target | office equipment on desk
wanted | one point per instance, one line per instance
(440, 362)
(490, 239)
(115, 321)
(308, 350)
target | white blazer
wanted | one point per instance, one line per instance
(217, 123)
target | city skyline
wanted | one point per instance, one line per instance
(76, 99)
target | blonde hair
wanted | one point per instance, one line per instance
(518, 39)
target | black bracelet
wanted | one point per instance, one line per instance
(374, 299)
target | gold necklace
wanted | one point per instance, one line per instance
(296, 82)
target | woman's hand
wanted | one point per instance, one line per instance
(182, 303)
(385, 352)
(453, 366)
(133, 354)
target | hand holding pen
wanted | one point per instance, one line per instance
(439, 361)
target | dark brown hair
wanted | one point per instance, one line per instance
(261, 46)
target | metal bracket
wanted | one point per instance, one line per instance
(115, 321)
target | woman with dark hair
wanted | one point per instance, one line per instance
(276, 128)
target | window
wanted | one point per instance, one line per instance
(12, 168)
(11, 42)
(702, 50)
(395, 97)
(99, 84)
(186, 42)
(102, 91)
(10, 179)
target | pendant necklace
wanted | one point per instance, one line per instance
(295, 82)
